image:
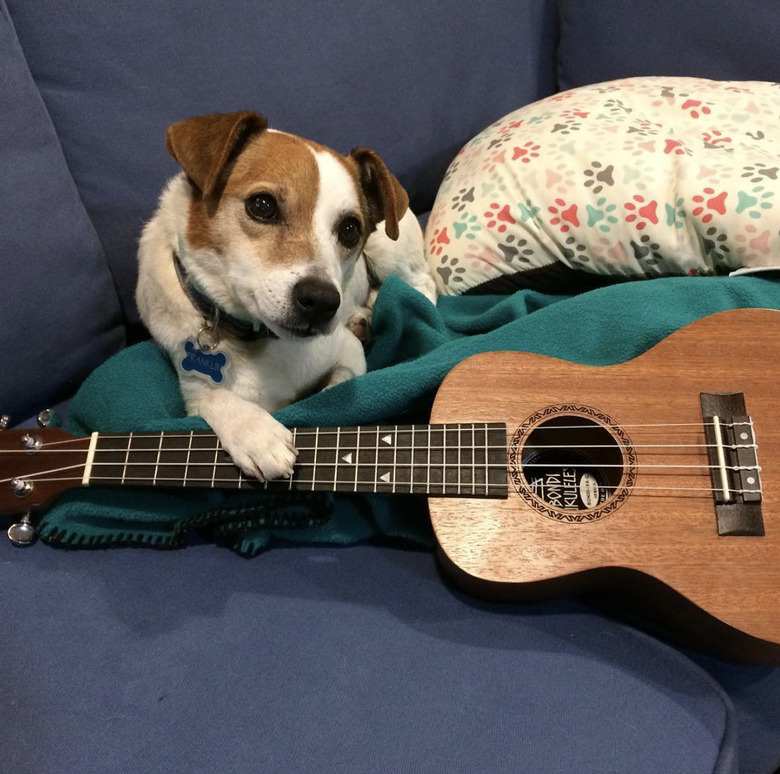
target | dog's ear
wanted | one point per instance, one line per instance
(387, 199)
(204, 145)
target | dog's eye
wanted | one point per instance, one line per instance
(262, 207)
(349, 232)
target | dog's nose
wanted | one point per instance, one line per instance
(316, 300)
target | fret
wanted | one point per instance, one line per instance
(189, 453)
(127, 456)
(157, 462)
(336, 456)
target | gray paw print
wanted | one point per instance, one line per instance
(449, 270)
(598, 176)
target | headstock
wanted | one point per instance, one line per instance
(36, 465)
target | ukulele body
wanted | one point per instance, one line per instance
(646, 513)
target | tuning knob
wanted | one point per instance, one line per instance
(22, 533)
(45, 417)
(5, 420)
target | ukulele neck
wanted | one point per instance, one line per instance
(440, 460)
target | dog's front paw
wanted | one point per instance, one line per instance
(359, 324)
(262, 447)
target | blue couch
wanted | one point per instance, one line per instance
(311, 658)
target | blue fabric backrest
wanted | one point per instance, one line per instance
(606, 39)
(413, 80)
(59, 310)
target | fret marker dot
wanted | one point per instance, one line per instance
(744, 436)
(751, 480)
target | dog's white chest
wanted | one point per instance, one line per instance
(283, 371)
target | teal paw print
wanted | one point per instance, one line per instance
(602, 215)
(675, 214)
(754, 201)
(467, 227)
(527, 210)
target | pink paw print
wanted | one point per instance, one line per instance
(529, 151)
(438, 241)
(641, 212)
(714, 138)
(564, 217)
(499, 217)
(696, 107)
(675, 147)
(707, 203)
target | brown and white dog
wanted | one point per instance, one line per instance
(253, 271)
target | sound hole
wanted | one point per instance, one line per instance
(572, 463)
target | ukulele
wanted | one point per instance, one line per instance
(657, 476)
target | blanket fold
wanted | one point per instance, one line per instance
(414, 346)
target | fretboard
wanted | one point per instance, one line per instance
(452, 460)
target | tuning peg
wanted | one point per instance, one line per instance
(22, 533)
(5, 420)
(44, 418)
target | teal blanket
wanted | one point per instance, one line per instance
(414, 347)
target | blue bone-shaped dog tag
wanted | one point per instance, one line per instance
(204, 364)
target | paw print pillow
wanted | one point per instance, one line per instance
(637, 178)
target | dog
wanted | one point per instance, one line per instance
(258, 269)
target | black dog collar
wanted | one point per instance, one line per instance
(214, 315)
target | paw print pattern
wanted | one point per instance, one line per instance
(616, 106)
(598, 176)
(527, 152)
(438, 241)
(563, 216)
(641, 212)
(467, 227)
(574, 251)
(464, 197)
(695, 107)
(602, 214)
(560, 179)
(516, 250)
(499, 217)
(754, 201)
(449, 270)
(715, 244)
(752, 244)
(708, 203)
(493, 161)
(714, 140)
(675, 213)
(500, 141)
(641, 127)
(758, 172)
(528, 211)
(646, 250)
(567, 127)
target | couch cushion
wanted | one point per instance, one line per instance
(59, 312)
(323, 659)
(402, 77)
(606, 39)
